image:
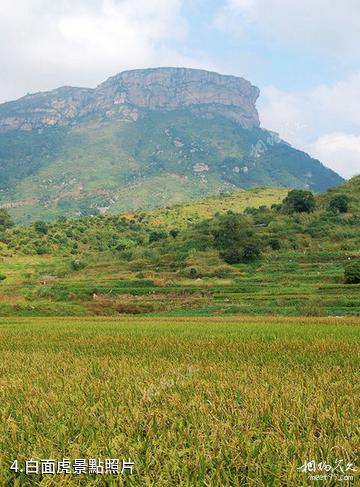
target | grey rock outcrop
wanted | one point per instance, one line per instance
(131, 93)
(167, 89)
(47, 109)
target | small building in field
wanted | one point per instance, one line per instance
(129, 216)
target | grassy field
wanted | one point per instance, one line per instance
(192, 401)
(180, 216)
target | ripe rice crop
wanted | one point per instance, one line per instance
(192, 401)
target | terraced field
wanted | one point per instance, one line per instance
(291, 284)
(192, 401)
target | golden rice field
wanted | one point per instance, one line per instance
(191, 401)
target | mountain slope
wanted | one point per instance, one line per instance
(144, 138)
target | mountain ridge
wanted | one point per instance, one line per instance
(129, 92)
(142, 139)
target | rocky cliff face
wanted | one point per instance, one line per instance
(130, 94)
(48, 109)
(167, 89)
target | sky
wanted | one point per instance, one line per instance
(303, 56)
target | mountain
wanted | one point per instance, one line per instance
(142, 139)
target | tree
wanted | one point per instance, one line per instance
(41, 228)
(275, 244)
(157, 235)
(5, 220)
(276, 207)
(340, 203)
(352, 273)
(193, 273)
(232, 255)
(229, 230)
(174, 232)
(299, 201)
(250, 252)
(235, 240)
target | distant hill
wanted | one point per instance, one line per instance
(166, 261)
(142, 139)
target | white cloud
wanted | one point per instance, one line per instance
(341, 151)
(284, 113)
(44, 44)
(331, 28)
(324, 121)
(340, 102)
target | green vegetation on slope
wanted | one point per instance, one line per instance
(161, 159)
(190, 260)
(183, 215)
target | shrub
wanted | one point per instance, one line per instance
(157, 235)
(127, 255)
(124, 243)
(138, 264)
(2, 277)
(190, 273)
(352, 273)
(275, 244)
(41, 228)
(250, 252)
(174, 232)
(5, 220)
(339, 203)
(77, 265)
(121, 246)
(276, 206)
(193, 273)
(232, 255)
